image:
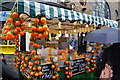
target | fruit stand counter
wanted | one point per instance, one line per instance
(81, 76)
(66, 70)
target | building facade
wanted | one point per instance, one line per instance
(102, 8)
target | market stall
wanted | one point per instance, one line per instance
(27, 24)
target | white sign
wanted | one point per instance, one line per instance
(4, 15)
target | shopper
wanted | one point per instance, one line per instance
(74, 43)
(8, 73)
(111, 56)
(2, 57)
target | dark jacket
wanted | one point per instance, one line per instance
(111, 55)
(8, 73)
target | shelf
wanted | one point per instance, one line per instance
(7, 49)
(7, 45)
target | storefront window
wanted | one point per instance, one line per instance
(101, 9)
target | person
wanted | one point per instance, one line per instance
(111, 56)
(74, 43)
(2, 57)
(7, 72)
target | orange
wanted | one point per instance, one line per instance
(66, 62)
(36, 34)
(33, 51)
(92, 61)
(36, 20)
(31, 38)
(4, 28)
(8, 28)
(14, 64)
(31, 42)
(36, 74)
(22, 20)
(17, 23)
(10, 20)
(45, 34)
(86, 67)
(39, 29)
(87, 59)
(25, 65)
(32, 35)
(95, 65)
(89, 70)
(37, 62)
(88, 63)
(22, 62)
(18, 63)
(22, 33)
(31, 63)
(23, 27)
(67, 76)
(92, 69)
(53, 66)
(26, 58)
(66, 68)
(17, 66)
(39, 68)
(66, 72)
(48, 30)
(4, 32)
(15, 31)
(15, 14)
(40, 73)
(43, 20)
(14, 59)
(32, 73)
(16, 36)
(40, 36)
(35, 45)
(38, 46)
(55, 71)
(45, 27)
(21, 70)
(56, 64)
(18, 28)
(30, 67)
(23, 57)
(34, 68)
(70, 73)
(58, 69)
(9, 34)
(34, 28)
(36, 56)
(53, 77)
(19, 60)
(57, 75)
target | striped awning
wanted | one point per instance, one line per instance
(33, 9)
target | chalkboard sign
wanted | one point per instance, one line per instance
(47, 71)
(78, 65)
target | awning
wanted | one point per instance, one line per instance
(33, 9)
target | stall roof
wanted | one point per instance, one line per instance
(33, 9)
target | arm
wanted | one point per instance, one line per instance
(104, 58)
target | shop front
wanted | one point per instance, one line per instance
(37, 56)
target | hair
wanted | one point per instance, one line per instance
(72, 34)
(2, 54)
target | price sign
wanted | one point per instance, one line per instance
(47, 71)
(78, 65)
